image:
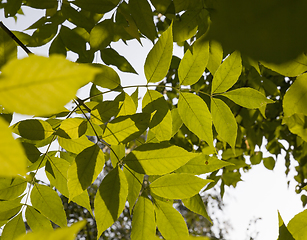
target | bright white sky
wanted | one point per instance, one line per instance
(261, 193)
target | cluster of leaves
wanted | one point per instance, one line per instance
(213, 102)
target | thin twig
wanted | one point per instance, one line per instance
(12, 35)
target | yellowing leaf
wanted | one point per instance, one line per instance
(48, 202)
(227, 74)
(65, 233)
(157, 158)
(178, 185)
(247, 97)
(42, 86)
(170, 222)
(143, 221)
(84, 170)
(193, 65)
(159, 58)
(110, 199)
(196, 116)
(224, 121)
(11, 164)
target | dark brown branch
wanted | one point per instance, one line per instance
(12, 35)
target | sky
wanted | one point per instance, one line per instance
(261, 193)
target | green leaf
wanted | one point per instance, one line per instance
(178, 185)
(108, 78)
(269, 163)
(96, 6)
(110, 199)
(8, 48)
(110, 57)
(143, 221)
(84, 170)
(197, 205)
(117, 153)
(57, 47)
(170, 222)
(123, 129)
(48, 202)
(11, 164)
(256, 158)
(227, 74)
(33, 129)
(224, 121)
(161, 121)
(75, 145)
(215, 56)
(42, 4)
(104, 111)
(157, 158)
(203, 164)
(159, 58)
(13, 228)
(290, 69)
(72, 40)
(9, 209)
(297, 226)
(102, 34)
(196, 116)
(284, 233)
(10, 188)
(126, 104)
(65, 233)
(72, 128)
(36, 220)
(247, 97)
(41, 86)
(297, 125)
(135, 181)
(143, 17)
(193, 64)
(176, 121)
(295, 97)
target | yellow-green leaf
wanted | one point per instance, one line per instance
(196, 116)
(10, 188)
(215, 56)
(36, 220)
(247, 97)
(75, 145)
(134, 180)
(11, 164)
(157, 158)
(48, 202)
(143, 221)
(14, 228)
(159, 58)
(102, 34)
(84, 170)
(193, 64)
(298, 226)
(227, 74)
(42, 86)
(72, 128)
(108, 78)
(224, 121)
(8, 48)
(110, 199)
(178, 185)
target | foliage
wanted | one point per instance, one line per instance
(240, 81)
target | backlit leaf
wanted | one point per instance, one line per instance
(297, 226)
(12, 188)
(202, 164)
(110, 199)
(284, 233)
(72, 128)
(224, 121)
(84, 170)
(96, 6)
(159, 58)
(227, 74)
(176, 121)
(215, 56)
(125, 128)
(11, 164)
(102, 34)
(161, 121)
(143, 221)
(134, 180)
(8, 48)
(295, 97)
(9, 208)
(157, 158)
(126, 104)
(75, 145)
(13, 228)
(49, 203)
(41, 86)
(178, 185)
(196, 116)
(108, 78)
(196, 205)
(170, 222)
(36, 220)
(247, 97)
(297, 124)
(193, 64)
